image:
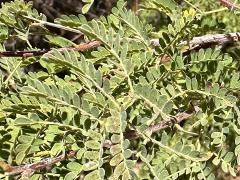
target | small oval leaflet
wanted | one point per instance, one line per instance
(92, 144)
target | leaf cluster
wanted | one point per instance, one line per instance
(100, 102)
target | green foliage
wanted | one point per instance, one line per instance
(87, 6)
(91, 102)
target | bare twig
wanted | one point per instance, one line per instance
(30, 168)
(157, 127)
(169, 123)
(206, 40)
(196, 42)
(81, 48)
(229, 4)
(212, 39)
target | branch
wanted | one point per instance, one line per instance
(229, 4)
(195, 43)
(28, 169)
(206, 40)
(157, 127)
(81, 48)
(165, 124)
(212, 39)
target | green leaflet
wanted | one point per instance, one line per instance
(87, 6)
(169, 5)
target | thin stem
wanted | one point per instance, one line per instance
(31, 144)
(149, 165)
(124, 69)
(41, 22)
(30, 168)
(180, 154)
(195, 7)
(215, 11)
(50, 123)
(11, 74)
(33, 53)
(184, 131)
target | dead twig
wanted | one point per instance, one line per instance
(206, 40)
(215, 39)
(229, 4)
(28, 169)
(194, 43)
(160, 126)
(165, 124)
(32, 53)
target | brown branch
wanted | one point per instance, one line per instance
(160, 126)
(196, 42)
(80, 48)
(28, 169)
(165, 124)
(135, 5)
(229, 4)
